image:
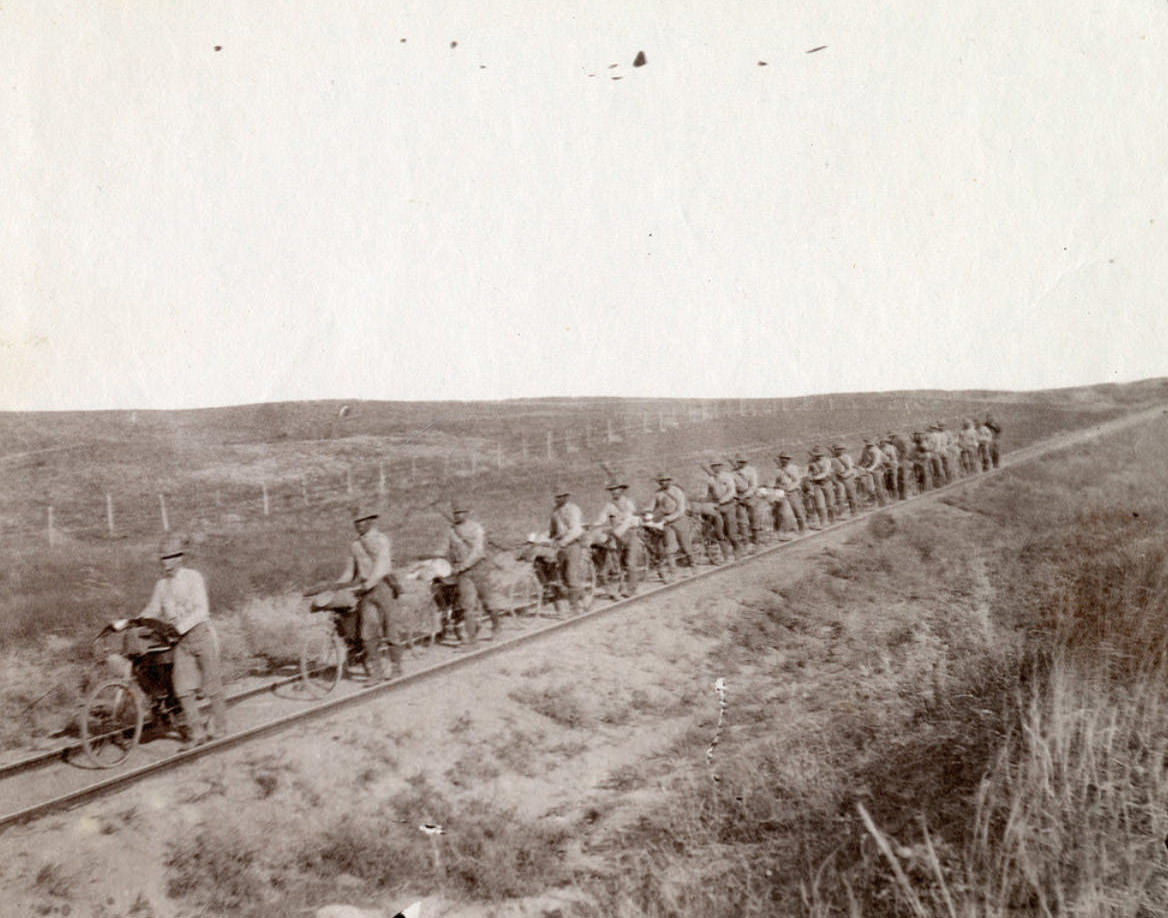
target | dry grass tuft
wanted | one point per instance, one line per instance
(283, 861)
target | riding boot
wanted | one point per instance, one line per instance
(632, 580)
(218, 716)
(192, 723)
(374, 668)
(395, 661)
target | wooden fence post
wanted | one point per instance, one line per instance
(109, 513)
(304, 489)
(499, 456)
(381, 479)
(264, 485)
(165, 519)
(549, 446)
(52, 537)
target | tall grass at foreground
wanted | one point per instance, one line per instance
(1072, 816)
(1069, 820)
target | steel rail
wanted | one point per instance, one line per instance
(323, 709)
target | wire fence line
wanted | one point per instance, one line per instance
(239, 504)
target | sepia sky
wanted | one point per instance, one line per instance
(341, 202)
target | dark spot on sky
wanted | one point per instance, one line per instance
(639, 60)
(482, 66)
(218, 47)
(618, 78)
(610, 66)
(454, 44)
(402, 40)
(762, 63)
(820, 48)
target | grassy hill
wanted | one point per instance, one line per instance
(209, 469)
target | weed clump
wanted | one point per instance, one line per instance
(485, 852)
(219, 867)
(559, 703)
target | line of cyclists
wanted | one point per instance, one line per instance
(736, 513)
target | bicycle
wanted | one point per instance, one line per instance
(117, 711)
(545, 565)
(328, 653)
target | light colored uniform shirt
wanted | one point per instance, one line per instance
(180, 600)
(891, 455)
(746, 482)
(724, 487)
(843, 466)
(669, 504)
(820, 470)
(370, 558)
(871, 459)
(567, 524)
(790, 477)
(618, 515)
(465, 545)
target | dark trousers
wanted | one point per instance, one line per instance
(472, 587)
(375, 609)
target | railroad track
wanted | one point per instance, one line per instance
(325, 708)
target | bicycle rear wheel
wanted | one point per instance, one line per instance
(588, 587)
(525, 595)
(322, 662)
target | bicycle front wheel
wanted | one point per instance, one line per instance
(525, 596)
(111, 723)
(322, 663)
